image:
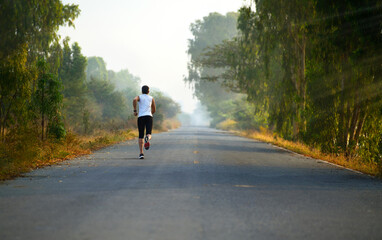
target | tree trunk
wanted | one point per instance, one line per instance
(302, 85)
(353, 122)
(42, 114)
(295, 106)
(1, 122)
(346, 127)
(296, 130)
(2, 132)
(7, 113)
(341, 123)
(360, 126)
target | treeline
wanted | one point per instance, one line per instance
(30, 59)
(48, 88)
(50, 85)
(91, 99)
(97, 98)
(311, 72)
(226, 105)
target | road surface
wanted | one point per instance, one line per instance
(195, 183)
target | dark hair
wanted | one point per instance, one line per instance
(145, 89)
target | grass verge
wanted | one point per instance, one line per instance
(24, 152)
(370, 168)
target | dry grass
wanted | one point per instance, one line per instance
(24, 151)
(167, 124)
(353, 163)
(227, 125)
(24, 154)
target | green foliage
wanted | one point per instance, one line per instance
(30, 90)
(96, 69)
(124, 80)
(210, 31)
(15, 91)
(19, 145)
(47, 99)
(311, 69)
(27, 31)
(166, 107)
(128, 84)
(46, 87)
(56, 128)
(113, 103)
(72, 74)
(215, 54)
(206, 80)
(109, 96)
(248, 116)
(32, 24)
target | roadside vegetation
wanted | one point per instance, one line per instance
(23, 152)
(308, 72)
(56, 103)
(356, 163)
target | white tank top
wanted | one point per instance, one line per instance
(144, 105)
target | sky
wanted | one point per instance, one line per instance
(147, 37)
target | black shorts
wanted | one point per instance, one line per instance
(145, 122)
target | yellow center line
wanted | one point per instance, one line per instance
(244, 186)
(196, 162)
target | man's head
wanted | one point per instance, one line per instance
(145, 89)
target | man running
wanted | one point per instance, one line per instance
(146, 106)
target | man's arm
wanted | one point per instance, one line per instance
(153, 107)
(135, 100)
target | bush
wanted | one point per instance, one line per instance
(227, 124)
(57, 129)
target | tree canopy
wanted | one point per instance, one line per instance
(311, 68)
(28, 33)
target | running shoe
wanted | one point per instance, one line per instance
(147, 144)
(141, 156)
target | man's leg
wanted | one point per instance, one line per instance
(141, 129)
(140, 143)
(149, 126)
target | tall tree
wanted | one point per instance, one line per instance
(208, 32)
(48, 100)
(126, 83)
(96, 69)
(27, 29)
(73, 76)
(354, 29)
(315, 66)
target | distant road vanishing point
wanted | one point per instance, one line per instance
(194, 183)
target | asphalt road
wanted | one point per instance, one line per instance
(195, 183)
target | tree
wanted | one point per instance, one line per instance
(351, 44)
(15, 90)
(96, 69)
(32, 24)
(72, 73)
(208, 32)
(124, 80)
(166, 107)
(126, 83)
(313, 69)
(48, 101)
(27, 29)
(111, 102)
